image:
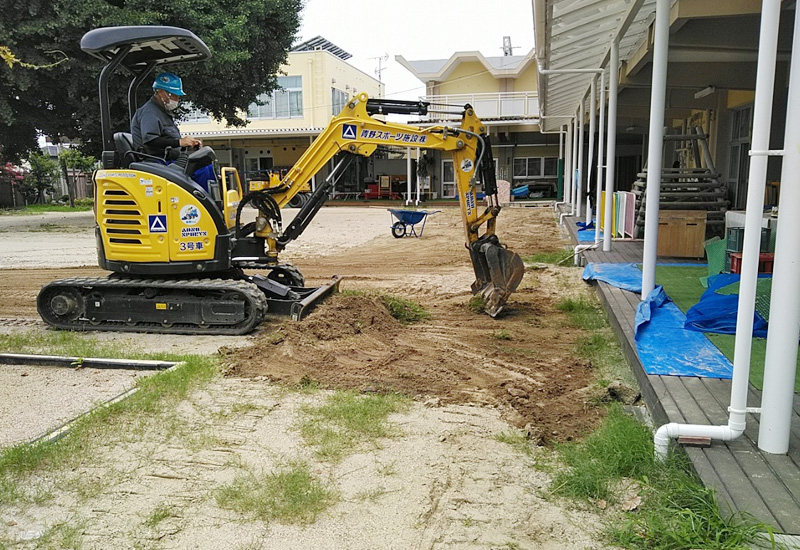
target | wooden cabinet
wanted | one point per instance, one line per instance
(681, 233)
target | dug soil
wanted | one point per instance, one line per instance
(523, 362)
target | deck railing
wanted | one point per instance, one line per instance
(489, 105)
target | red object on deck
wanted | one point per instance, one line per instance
(765, 260)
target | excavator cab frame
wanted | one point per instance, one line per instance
(137, 50)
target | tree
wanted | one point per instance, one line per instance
(73, 159)
(248, 40)
(40, 179)
(13, 176)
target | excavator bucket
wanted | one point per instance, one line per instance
(498, 272)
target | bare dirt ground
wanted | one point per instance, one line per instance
(472, 376)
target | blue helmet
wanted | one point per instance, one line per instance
(169, 82)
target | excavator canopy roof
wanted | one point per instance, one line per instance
(149, 45)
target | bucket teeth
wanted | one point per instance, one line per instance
(498, 272)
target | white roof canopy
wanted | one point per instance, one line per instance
(577, 34)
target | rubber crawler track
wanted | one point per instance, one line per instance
(194, 289)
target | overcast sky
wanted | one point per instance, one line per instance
(416, 29)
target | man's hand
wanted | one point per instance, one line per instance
(189, 141)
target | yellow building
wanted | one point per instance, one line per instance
(315, 83)
(503, 91)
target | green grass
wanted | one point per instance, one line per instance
(61, 536)
(64, 342)
(289, 495)
(682, 285)
(81, 205)
(599, 346)
(160, 513)
(346, 420)
(676, 512)
(157, 394)
(517, 440)
(558, 257)
(404, 310)
(501, 334)
(584, 313)
(477, 304)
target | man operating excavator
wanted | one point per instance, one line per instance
(152, 127)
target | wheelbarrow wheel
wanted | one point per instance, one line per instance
(399, 230)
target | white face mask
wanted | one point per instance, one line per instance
(171, 105)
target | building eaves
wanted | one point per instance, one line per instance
(440, 69)
(577, 34)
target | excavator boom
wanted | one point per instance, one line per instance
(498, 271)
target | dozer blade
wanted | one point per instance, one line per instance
(498, 272)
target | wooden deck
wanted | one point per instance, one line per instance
(744, 478)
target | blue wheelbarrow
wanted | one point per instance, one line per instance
(407, 221)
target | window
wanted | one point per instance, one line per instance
(535, 167)
(739, 156)
(448, 179)
(338, 100)
(284, 102)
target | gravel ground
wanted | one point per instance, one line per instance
(36, 400)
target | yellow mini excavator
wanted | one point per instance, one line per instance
(178, 251)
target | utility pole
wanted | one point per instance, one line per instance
(381, 68)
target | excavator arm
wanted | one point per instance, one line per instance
(355, 131)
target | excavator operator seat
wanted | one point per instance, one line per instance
(123, 143)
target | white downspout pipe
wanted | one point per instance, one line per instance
(408, 175)
(579, 186)
(611, 152)
(573, 165)
(592, 107)
(765, 78)
(784, 323)
(600, 145)
(419, 183)
(561, 138)
(655, 150)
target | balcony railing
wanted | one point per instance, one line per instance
(488, 105)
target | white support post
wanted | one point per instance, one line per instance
(762, 115)
(419, 183)
(600, 144)
(592, 107)
(573, 166)
(655, 150)
(567, 190)
(408, 175)
(765, 77)
(562, 136)
(611, 151)
(579, 187)
(784, 323)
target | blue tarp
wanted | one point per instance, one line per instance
(587, 235)
(520, 192)
(624, 276)
(644, 309)
(717, 312)
(665, 347)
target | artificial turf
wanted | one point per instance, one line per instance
(682, 284)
